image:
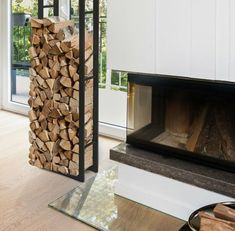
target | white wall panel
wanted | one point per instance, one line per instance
(131, 35)
(232, 42)
(193, 38)
(203, 39)
(222, 39)
(173, 37)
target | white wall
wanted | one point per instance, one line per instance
(169, 196)
(1, 36)
(130, 22)
(193, 38)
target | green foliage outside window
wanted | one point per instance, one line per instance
(20, 34)
(21, 44)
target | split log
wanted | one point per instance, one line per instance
(36, 23)
(63, 170)
(66, 145)
(58, 24)
(210, 223)
(75, 140)
(73, 165)
(50, 146)
(50, 83)
(32, 53)
(72, 133)
(64, 134)
(223, 212)
(38, 164)
(32, 115)
(67, 82)
(76, 148)
(35, 39)
(68, 155)
(75, 158)
(44, 136)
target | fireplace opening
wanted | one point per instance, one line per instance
(186, 118)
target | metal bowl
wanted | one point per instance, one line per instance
(194, 220)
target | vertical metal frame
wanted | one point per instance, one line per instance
(81, 90)
(82, 82)
(56, 7)
(95, 166)
(40, 9)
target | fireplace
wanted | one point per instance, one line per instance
(183, 117)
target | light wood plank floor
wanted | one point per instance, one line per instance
(25, 191)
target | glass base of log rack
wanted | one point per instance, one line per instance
(83, 80)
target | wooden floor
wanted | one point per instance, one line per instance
(25, 191)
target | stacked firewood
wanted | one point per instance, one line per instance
(54, 96)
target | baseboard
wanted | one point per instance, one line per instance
(112, 131)
(166, 195)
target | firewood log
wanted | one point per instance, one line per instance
(75, 158)
(63, 169)
(50, 146)
(32, 115)
(36, 23)
(210, 223)
(66, 81)
(76, 148)
(44, 136)
(223, 212)
(35, 39)
(64, 134)
(68, 154)
(32, 53)
(38, 164)
(66, 145)
(58, 24)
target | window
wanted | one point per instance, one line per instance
(112, 85)
(20, 30)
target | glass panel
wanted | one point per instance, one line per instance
(93, 202)
(21, 13)
(139, 106)
(191, 117)
(48, 2)
(96, 204)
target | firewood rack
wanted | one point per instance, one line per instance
(82, 80)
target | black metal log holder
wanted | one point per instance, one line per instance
(82, 81)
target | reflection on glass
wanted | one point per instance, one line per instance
(189, 119)
(93, 202)
(96, 204)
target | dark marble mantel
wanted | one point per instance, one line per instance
(212, 179)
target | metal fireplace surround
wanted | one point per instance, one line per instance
(163, 128)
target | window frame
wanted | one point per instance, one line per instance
(7, 104)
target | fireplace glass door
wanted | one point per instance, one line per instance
(186, 118)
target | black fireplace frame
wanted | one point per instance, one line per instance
(167, 151)
(82, 80)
